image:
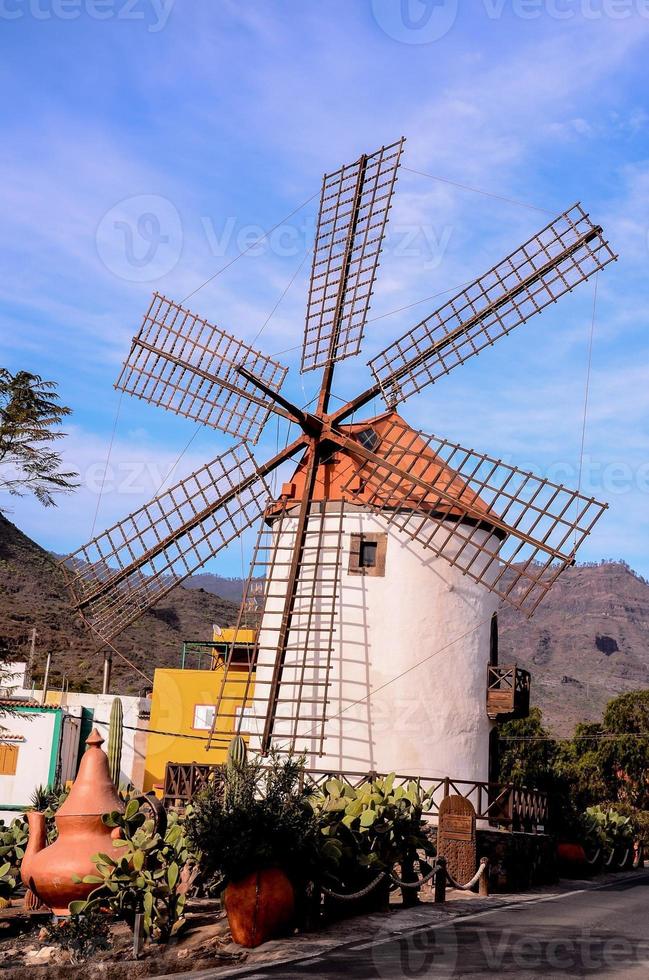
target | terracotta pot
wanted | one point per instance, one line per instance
(259, 907)
(572, 858)
(49, 871)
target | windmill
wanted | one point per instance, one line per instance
(376, 514)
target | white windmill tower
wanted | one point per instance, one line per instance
(388, 551)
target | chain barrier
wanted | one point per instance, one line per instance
(439, 865)
(484, 862)
(414, 884)
(339, 896)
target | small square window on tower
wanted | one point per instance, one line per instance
(367, 554)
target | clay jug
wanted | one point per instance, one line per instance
(259, 907)
(49, 871)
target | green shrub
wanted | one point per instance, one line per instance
(251, 817)
(147, 878)
(374, 826)
(605, 827)
(639, 820)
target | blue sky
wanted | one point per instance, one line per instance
(218, 119)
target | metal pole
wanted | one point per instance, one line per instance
(27, 681)
(108, 663)
(46, 678)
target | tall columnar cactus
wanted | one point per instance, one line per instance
(115, 739)
(235, 763)
(237, 753)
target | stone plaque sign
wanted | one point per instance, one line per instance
(456, 837)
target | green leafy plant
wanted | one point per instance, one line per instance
(250, 817)
(147, 877)
(13, 841)
(610, 828)
(47, 800)
(639, 820)
(374, 826)
(40, 798)
(83, 936)
(8, 883)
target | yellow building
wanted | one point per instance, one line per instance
(184, 702)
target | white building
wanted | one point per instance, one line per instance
(412, 636)
(41, 743)
(39, 746)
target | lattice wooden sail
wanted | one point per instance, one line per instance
(126, 569)
(566, 252)
(299, 698)
(354, 210)
(184, 364)
(505, 528)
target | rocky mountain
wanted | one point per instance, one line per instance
(227, 588)
(33, 593)
(587, 642)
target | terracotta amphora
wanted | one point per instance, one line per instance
(259, 907)
(49, 871)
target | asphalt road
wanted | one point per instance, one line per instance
(602, 932)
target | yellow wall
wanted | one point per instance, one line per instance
(175, 696)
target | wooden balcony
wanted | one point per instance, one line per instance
(508, 692)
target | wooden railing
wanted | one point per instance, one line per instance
(508, 692)
(184, 780)
(501, 805)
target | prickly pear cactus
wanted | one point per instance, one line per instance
(115, 738)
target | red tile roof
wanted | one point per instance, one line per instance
(405, 448)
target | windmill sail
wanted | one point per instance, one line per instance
(505, 528)
(298, 707)
(184, 364)
(566, 252)
(128, 568)
(354, 210)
